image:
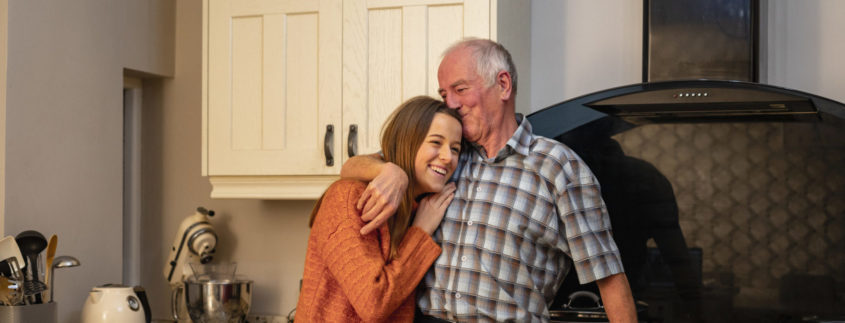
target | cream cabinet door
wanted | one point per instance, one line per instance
(273, 97)
(278, 73)
(391, 51)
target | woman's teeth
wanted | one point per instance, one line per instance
(438, 169)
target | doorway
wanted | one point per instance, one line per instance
(132, 103)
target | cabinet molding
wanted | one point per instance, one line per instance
(289, 187)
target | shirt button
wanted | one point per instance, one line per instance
(458, 295)
(463, 258)
(470, 222)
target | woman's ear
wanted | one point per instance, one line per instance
(505, 83)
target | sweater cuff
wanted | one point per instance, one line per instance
(419, 245)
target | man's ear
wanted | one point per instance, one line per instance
(505, 83)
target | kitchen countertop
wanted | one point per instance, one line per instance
(250, 319)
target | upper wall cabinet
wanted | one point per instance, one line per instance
(291, 89)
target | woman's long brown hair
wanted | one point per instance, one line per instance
(401, 137)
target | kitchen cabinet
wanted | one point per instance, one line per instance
(291, 89)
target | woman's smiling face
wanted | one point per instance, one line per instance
(437, 156)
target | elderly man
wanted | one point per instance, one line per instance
(526, 208)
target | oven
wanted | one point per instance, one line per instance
(727, 199)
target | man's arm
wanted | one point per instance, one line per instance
(362, 167)
(387, 185)
(617, 299)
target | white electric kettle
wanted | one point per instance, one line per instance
(116, 303)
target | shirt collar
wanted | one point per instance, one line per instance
(519, 143)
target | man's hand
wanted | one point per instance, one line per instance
(382, 196)
(432, 208)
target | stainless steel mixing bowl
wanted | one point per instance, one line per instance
(216, 301)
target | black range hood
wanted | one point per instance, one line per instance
(685, 101)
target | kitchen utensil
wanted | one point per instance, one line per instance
(586, 306)
(218, 271)
(201, 272)
(61, 262)
(32, 243)
(114, 303)
(65, 262)
(34, 288)
(15, 268)
(5, 271)
(17, 276)
(9, 249)
(572, 313)
(51, 253)
(8, 293)
(217, 301)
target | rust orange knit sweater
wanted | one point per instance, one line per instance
(347, 277)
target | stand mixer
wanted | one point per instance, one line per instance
(199, 288)
(195, 242)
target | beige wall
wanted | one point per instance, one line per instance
(580, 47)
(64, 126)
(805, 46)
(4, 18)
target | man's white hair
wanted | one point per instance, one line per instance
(490, 58)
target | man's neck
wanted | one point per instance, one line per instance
(499, 135)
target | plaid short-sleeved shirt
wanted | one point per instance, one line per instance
(517, 224)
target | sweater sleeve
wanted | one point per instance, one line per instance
(374, 287)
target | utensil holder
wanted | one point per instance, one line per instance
(29, 313)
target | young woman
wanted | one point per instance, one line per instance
(349, 277)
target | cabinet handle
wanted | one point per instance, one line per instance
(328, 144)
(352, 141)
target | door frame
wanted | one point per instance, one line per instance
(132, 105)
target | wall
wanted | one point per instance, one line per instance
(579, 47)
(511, 31)
(805, 46)
(64, 147)
(4, 19)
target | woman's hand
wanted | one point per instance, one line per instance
(432, 208)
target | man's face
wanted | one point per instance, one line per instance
(462, 88)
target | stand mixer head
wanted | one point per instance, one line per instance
(194, 243)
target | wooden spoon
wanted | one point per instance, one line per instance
(51, 253)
